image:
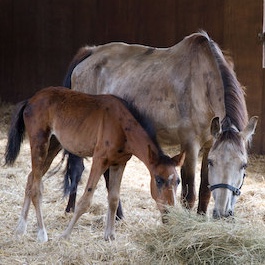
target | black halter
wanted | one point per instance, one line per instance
(236, 191)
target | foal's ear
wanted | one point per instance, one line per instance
(179, 159)
(151, 155)
(250, 128)
(215, 127)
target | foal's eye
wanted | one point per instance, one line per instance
(159, 181)
(210, 162)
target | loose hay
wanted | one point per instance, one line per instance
(141, 238)
(192, 239)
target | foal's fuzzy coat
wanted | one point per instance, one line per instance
(99, 126)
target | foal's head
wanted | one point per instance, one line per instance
(164, 179)
(227, 162)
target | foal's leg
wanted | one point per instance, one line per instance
(33, 189)
(54, 148)
(97, 169)
(22, 223)
(119, 213)
(188, 194)
(204, 193)
(115, 177)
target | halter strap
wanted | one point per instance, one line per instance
(236, 191)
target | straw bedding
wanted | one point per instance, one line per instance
(140, 238)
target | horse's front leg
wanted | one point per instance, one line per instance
(115, 177)
(188, 194)
(97, 169)
(204, 193)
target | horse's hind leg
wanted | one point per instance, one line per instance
(75, 168)
(115, 177)
(119, 213)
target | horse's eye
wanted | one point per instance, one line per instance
(210, 162)
(159, 181)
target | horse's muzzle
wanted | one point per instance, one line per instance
(218, 215)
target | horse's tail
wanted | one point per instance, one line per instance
(74, 170)
(81, 55)
(75, 166)
(16, 134)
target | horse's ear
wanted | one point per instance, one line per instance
(250, 128)
(215, 127)
(179, 159)
(151, 155)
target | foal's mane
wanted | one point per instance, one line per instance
(143, 119)
(234, 94)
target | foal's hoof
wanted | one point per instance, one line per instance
(110, 237)
(64, 236)
(21, 227)
(42, 236)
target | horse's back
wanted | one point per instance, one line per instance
(179, 87)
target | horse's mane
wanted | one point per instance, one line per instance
(234, 94)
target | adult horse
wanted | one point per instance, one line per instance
(181, 88)
(100, 126)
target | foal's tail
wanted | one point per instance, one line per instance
(16, 134)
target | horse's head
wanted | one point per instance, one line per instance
(227, 162)
(164, 179)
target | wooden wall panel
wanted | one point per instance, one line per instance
(243, 22)
(192, 16)
(6, 49)
(37, 43)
